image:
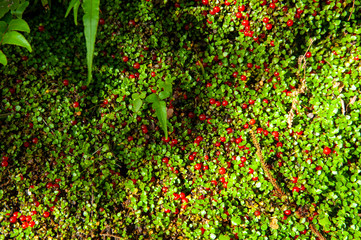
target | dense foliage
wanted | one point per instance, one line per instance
(263, 107)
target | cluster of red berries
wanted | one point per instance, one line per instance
(26, 220)
(4, 162)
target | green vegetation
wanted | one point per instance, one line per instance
(203, 120)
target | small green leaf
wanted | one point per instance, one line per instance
(15, 38)
(135, 96)
(161, 112)
(18, 25)
(75, 11)
(164, 95)
(152, 98)
(20, 9)
(137, 104)
(3, 26)
(44, 2)
(236, 220)
(142, 95)
(3, 59)
(70, 7)
(224, 237)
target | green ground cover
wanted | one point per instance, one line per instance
(263, 116)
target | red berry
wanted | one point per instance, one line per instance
(241, 8)
(289, 23)
(222, 170)
(252, 122)
(327, 150)
(4, 163)
(269, 26)
(25, 225)
(136, 65)
(202, 117)
(288, 212)
(31, 223)
(204, 2)
(35, 140)
(257, 213)
(22, 218)
(239, 15)
(101, 21)
(13, 219)
(75, 104)
(66, 82)
(198, 166)
(224, 103)
(295, 189)
(41, 28)
(165, 160)
(245, 22)
(243, 78)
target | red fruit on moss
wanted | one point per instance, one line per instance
(327, 150)
(198, 166)
(136, 65)
(66, 82)
(295, 189)
(25, 225)
(222, 170)
(13, 219)
(257, 213)
(289, 23)
(46, 214)
(125, 59)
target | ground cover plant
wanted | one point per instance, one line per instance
(203, 120)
